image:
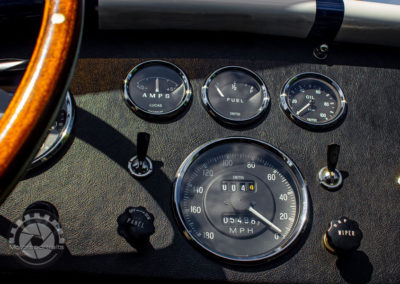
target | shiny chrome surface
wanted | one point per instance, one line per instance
(364, 21)
(330, 180)
(371, 22)
(236, 15)
(140, 169)
(13, 64)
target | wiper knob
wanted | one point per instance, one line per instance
(343, 236)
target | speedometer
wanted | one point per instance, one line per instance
(240, 199)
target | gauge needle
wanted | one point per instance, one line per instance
(219, 92)
(157, 85)
(265, 220)
(303, 108)
(254, 96)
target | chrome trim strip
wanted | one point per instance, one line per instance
(13, 64)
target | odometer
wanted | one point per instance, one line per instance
(241, 199)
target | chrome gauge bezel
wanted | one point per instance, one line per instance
(227, 120)
(342, 103)
(152, 115)
(63, 136)
(13, 69)
(303, 203)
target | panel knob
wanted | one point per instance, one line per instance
(343, 236)
(136, 225)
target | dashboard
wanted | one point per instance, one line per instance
(91, 185)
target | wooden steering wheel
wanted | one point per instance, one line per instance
(41, 92)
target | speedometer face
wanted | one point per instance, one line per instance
(313, 101)
(157, 89)
(241, 199)
(235, 95)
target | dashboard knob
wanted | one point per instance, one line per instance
(343, 236)
(136, 225)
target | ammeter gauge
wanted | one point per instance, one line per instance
(157, 89)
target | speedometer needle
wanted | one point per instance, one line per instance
(265, 220)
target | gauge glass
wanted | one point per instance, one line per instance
(58, 133)
(60, 130)
(5, 99)
(240, 199)
(313, 101)
(235, 95)
(157, 89)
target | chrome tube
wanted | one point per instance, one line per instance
(278, 17)
(374, 22)
(367, 21)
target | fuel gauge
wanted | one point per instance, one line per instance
(235, 95)
(157, 89)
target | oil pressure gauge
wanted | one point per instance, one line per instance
(157, 89)
(235, 95)
(313, 101)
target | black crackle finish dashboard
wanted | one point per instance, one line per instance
(90, 185)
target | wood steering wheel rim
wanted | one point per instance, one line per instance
(40, 94)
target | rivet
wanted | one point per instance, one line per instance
(58, 18)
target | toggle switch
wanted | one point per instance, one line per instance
(140, 166)
(329, 176)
